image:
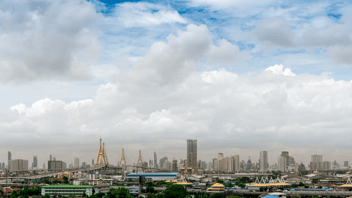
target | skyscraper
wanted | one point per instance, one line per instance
(54, 158)
(155, 160)
(9, 158)
(263, 161)
(236, 163)
(76, 162)
(51, 158)
(282, 161)
(316, 162)
(220, 158)
(345, 164)
(92, 162)
(35, 162)
(191, 153)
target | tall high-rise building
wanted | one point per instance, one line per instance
(51, 157)
(9, 158)
(345, 164)
(316, 162)
(215, 164)
(282, 161)
(162, 161)
(236, 163)
(54, 165)
(174, 165)
(263, 161)
(191, 153)
(18, 165)
(35, 162)
(155, 160)
(76, 162)
(54, 158)
(92, 162)
(220, 158)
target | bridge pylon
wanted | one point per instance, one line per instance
(102, 158)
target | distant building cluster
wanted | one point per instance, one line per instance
(190, 165)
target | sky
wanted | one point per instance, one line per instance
(239, 76)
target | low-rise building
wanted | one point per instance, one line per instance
(67, 190)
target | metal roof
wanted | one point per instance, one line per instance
(66, 186)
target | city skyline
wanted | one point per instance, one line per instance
(284, 160)
(147, 75)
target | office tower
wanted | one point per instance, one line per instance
(220, 157)
(215, 164)
(230, 164)
(54, 165)
(9, 156)
(155, 160)
(345, 164)
(54, 158)
(18, 165)
(162, 161)
(35, 162)
(92, 162)
(282, 161)
(263, 161)
(249, 164)
(76, 162)
(51, 158)
(70, 166)
(83, 165)
(174, 165)
(64, 165)
(316, 162)
(3, 166)
(236, 163)
(191, 153)
(326, 165)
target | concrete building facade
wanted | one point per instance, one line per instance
(191, 153)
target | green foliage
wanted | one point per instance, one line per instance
(150, 189)
(115, 193)
(241, 185)
(175, 191)
(46, 196)
(25, 192)
(228, 185)
(220, 181)
(160, 183)
(217, 195)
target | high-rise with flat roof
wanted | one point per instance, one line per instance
(236, 163)
(155, 160)
(345, 164)
(18, 165)
(263, 161)
(76, 162)
(35, 162)
(191, 153)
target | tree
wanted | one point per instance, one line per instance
(46, 196)
(217, 195)
(150, 189)
(220, 181)
(175, 191)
